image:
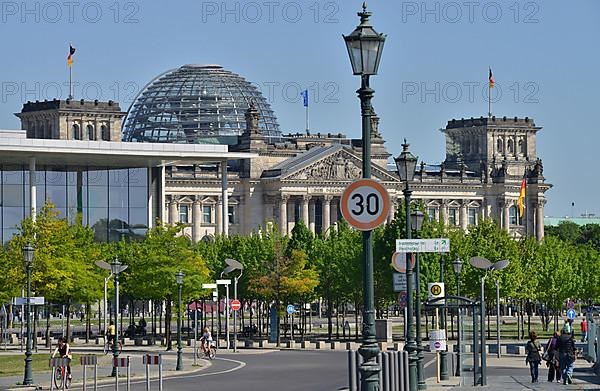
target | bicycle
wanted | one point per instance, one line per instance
(108, 346)
(210, 353)
(60, 376)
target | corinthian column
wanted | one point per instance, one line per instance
(219, 217)
(174, 210)
(326, 212)
(283, 220)
(539, 219)
(196, 219)
(305, 211)
(464, 220)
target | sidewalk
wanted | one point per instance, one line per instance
(509, 373)
(137, 369)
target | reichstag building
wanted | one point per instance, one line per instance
(243, 172)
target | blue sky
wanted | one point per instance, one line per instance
(544, 55)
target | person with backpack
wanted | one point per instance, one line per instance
(533, 349)
(566, 352)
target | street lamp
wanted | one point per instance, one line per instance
(406, 164)
(457, 265)
(233, 265)
(365, 47)
(486, 265)
(416, 222)
(179, 279)
(28, 252)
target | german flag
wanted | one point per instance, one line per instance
(70, 57)
(521, 200)
(491, 79)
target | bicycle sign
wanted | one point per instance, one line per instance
(365, 204)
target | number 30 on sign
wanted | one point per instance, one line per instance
(365, 204)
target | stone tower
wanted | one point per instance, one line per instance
(72, 120)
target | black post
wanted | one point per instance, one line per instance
(458, 329)
(411, 346)
(369, 349)
(115, 346)
(28, 378)
(179, 365)
(483, 345)
(421, 384)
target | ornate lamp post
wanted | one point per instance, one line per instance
(416, 222)
(28, 252)
(179, 279)
(365, 46)
(406, 164)
(457, 265)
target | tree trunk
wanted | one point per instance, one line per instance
(87, 323)
(47, 333)
(68, 321)
(168, 325)
(329, 319)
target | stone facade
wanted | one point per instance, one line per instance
(72, 120)
(303, 177)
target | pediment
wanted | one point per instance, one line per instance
(342, 165)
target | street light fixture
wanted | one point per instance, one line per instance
(457, 266)
(416, 221)
(365, 47)
(233, 265)
(486, 265)
(28, 252)
(406, 164)
(179, 279)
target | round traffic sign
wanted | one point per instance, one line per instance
(236, 305)
(402, 299)
(436, 290)
(399, 261)
(365, 204)
(571, 314)
(570, 304)
(437, 344)
(291, 309)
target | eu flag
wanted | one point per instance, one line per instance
(305, 97)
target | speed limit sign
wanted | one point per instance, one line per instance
(365, 204)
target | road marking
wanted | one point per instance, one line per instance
(429, 363)
(240, 365)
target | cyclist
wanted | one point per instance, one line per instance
(64, 350)
(110, 333)
(205, 340)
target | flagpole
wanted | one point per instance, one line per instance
(307, 123)
(70, 83)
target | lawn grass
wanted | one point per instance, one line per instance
(11, 365)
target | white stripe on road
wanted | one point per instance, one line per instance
(240, 365)
(429, 362)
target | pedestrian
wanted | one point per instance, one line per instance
(533, 349)
(584, 329)
(552, 358)
(566, 352)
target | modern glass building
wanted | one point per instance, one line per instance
(113, 202)
(197, 104)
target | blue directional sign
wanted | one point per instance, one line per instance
(291, 309)
(571, 314)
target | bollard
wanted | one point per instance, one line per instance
(385, 372)
(393, 370)
(128, 374)
(160, 373)
(352, 370)
(84, 367)
(153, 360)
(147, 375)
(379, 360)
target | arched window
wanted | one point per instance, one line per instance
(75, 132)
(510, 147)
(499, 145)
(91, 133)
(521, 147)
(512, 215)
(104, 133)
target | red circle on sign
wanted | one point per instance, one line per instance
(381, 213)
(236, 305)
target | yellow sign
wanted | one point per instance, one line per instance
(436, 290)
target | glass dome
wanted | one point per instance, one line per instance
(196, 104)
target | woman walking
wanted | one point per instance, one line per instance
(533, 349)
(552, 359)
